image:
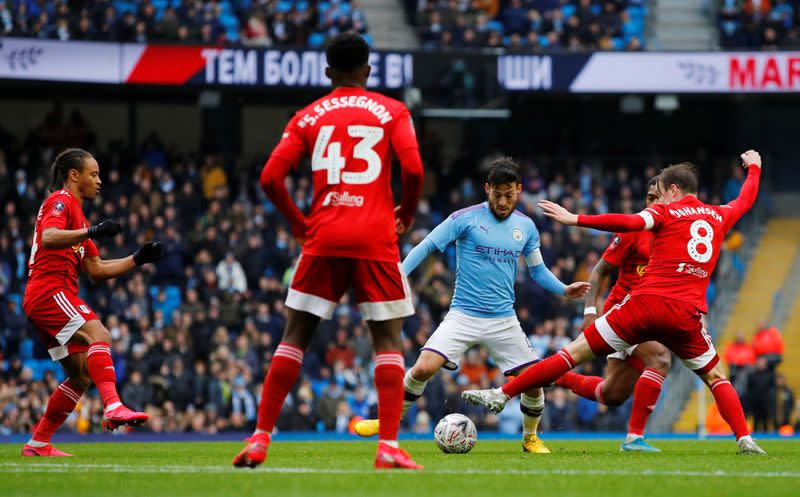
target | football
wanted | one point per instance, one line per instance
(455, 434)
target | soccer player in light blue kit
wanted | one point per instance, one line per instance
(490, 238)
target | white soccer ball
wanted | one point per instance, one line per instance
(455, 434)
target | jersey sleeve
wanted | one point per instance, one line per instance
(736, 208)
(447, 232)
(403, 135)
(91, 249)
(618, 250)
(654, 216)
(56, 213)
(292, 146)
(533, 241)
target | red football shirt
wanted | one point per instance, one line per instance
(351, 135)
(629, 252)
(53, 270)
(688, 238)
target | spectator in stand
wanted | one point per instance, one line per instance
(739, 355)
(768, 343)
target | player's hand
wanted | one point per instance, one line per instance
(558, 213)
(104, 229)
(588, 319)
(751, 158)
(401, 222)
(149, 252)
(578, 289)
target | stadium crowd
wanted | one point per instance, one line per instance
(194, 333)
(532, 25)
(210, 22)
(759, 24)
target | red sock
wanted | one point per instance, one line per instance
(389, 372)
(541, 374)
(101, 369)
(588, 387)
(281, 377)
(730, 407)
(59, 407)
(645, 396)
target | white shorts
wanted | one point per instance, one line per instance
(623, 355)
(502, 337)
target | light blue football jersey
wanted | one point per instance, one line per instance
(487, 257)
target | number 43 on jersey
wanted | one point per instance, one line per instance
(327, 155)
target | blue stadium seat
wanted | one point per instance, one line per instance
(232, 35)
(495, 26)
(172, 302)
(284, 6)
(323, 7)
(568, 10)
(637, 13)
(543, 41)
(316, 40)
(618, 43)
(15, 297)
(229, 21)
(368, 39)
(123, 7)
(633, 28)
(302, 5)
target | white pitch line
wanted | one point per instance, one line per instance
(10, 467)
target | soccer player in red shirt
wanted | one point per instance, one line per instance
(641, 369)
(62, 247)
(350, 237)
(668, 305)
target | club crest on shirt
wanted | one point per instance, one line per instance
(58, 208)
(83, 309)
(517, 234)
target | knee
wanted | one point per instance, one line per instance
(716, 374)
(661, 362)
(423, 371)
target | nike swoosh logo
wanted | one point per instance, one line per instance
(109, 367)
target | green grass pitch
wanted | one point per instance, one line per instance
(685, 468)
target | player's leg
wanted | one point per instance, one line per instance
(97, 338)
(611, 390)
(318, 284)
(509, 347)
(59, 407)
(384, 298)
(414, 382)
(657, 362)
(282, 374)
(616, 330)
(687, 336)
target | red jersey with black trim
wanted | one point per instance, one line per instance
(688, 237)
(54, 270)
(351, 135)
(630, 253)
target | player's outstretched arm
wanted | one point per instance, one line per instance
(605, 222)
(98, 269)
(597, 279)
(542, 275)
(55, 238)
(751, 160)
(273, 178)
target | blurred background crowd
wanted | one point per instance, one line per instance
(759, 24)
(194, 334)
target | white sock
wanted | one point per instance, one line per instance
(36, 443)
(530, 421)
(414, 387)
(390, 443)
(112, 406)
(630, 437)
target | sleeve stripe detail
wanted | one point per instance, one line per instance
(534, 258)
(648, 219)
